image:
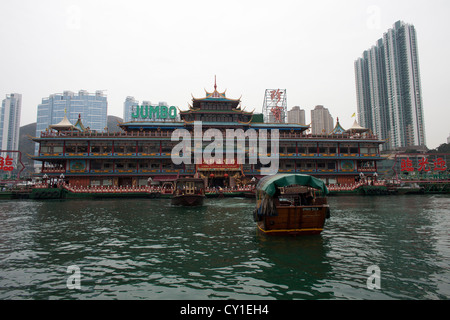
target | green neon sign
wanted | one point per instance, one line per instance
(157, 112)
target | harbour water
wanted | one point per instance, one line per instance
(147, 249)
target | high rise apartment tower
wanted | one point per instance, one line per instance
(321, 121)
(10, 123)
(296, 115)
(388, 88)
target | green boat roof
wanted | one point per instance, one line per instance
(269, 184)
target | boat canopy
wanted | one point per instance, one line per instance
(269, 184)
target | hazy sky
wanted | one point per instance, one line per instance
(168, 50)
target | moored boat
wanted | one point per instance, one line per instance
(189, 192)
(410, 188)
(291, 204)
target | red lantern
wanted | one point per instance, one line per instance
(211, 175)
(226, 175)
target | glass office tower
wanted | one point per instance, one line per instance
(92, 108)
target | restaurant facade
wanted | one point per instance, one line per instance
(141, 153)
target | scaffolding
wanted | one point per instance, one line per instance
(275, 106)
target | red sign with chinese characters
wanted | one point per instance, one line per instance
(213, 166)
(439, 164)
(407, 165)
(6, 164)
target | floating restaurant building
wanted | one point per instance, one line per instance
(142, 151)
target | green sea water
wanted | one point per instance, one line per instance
(148, 249)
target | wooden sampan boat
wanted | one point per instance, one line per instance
(291, 204)
(189, 192)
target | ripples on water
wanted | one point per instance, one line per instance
(133, 249)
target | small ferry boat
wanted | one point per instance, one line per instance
(188, 192)
(410, 188)
(291, 204)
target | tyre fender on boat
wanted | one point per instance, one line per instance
(258, 214)
(255, 215)
(327, 213)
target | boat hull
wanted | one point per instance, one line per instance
(295, 220)
(188, 200)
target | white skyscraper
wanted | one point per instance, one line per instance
(388, 88)
(10, 123)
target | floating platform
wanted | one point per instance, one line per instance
(438, 187)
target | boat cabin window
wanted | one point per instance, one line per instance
(295, 196)
(190, 187)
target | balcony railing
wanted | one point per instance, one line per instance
(168, 134)
(53, 170)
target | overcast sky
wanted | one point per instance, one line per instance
(168, 50)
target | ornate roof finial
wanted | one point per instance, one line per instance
(215, 83)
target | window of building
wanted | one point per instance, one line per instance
(312, 149)
(101, 147)
(96, 165)
(120, 165)
(76, 147)
(125, 147)
(143, 165)
(166, 147)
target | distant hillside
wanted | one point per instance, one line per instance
(113, 122)
(26, 145)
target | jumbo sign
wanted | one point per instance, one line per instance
(154, 112)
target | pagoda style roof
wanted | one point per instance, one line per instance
(357, 128)
(214, 96)
(217, 96)
(64, 125)
(338, 128)
(79, 125)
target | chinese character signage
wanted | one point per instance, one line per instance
(424, 165)
(6, 164)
